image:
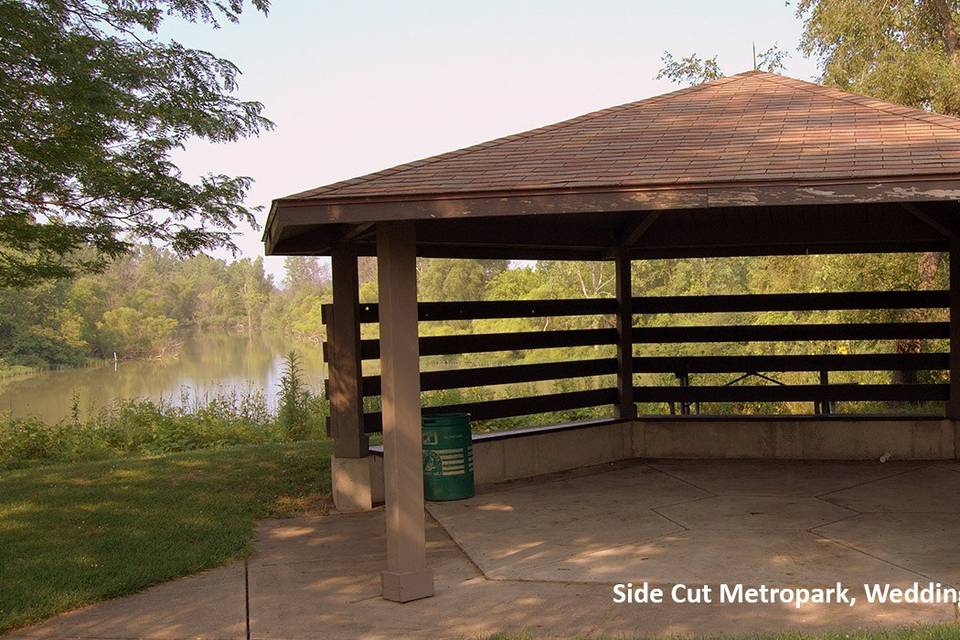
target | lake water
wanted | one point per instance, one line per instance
(208, 365)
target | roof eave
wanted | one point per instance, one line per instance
(318, 211)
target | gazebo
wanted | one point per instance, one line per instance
(748, 165)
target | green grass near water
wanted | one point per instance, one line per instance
(73, 534)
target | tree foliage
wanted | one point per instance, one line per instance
(92, 104)
(137, 307)
(690, 70)
(696, 70)
(303, 272)
(904, 51)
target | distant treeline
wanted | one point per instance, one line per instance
(142, 303)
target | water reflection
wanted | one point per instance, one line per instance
(208, 365)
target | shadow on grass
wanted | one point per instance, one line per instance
(932, 632)
(77, 533)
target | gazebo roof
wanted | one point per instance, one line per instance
(749, 127)
(745, 140)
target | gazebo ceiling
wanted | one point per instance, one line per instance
(751, 140)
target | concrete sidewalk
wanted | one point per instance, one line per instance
(541, 556)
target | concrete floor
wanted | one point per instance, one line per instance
(541, 555)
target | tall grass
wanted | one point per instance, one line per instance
(293, 413)
(140, 426)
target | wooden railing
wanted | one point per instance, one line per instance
(681, 365)
(823, 364)
(509, 374)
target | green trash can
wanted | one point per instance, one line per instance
(447, 457)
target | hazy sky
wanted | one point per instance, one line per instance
(357, 86)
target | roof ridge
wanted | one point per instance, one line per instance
(948, 122)
(523, 135)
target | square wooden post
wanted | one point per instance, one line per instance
(407, 576)
(346, 395)
(953, 404)
(626, 409)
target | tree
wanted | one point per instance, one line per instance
(129, 332)
(904, 51)
(92, 104)
(255, 288)
(462, 279)
(696, 70)
(305, 273)
(690, 70)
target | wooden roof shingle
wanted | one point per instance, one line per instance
(749, 139)
(748, 127)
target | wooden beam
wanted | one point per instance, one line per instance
(931, 222)
(370, 349)
(796, 393)
(593, 235)
(638, 231)
(792, 332)
(357, 231)
(343, 329)
(513, 374)
(522, 406)
(626, 409)
(824, 301)
(787, 230)
(506, 374)
(934, 361)
(489, 309)
(953, 405)
(407, 576)
(827, 301)
(578, 201)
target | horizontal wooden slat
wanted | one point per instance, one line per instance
(791, 332)
(793, 302)
(793, 393)
(827, 362)
(487, 376)
(486, 309)
(828, 301)
(487, 342)
(508, 407)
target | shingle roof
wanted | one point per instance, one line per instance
(748, 128)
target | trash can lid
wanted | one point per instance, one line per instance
(446, 419)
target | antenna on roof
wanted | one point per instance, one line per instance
(754, 44)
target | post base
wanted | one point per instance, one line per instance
(354, 484)
(407, 586)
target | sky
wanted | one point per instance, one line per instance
(358, 86)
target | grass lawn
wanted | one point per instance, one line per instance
(73, 534)
(937, 632)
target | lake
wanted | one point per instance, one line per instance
(208, 365)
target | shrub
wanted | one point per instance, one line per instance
(146, 427)
(292, 414)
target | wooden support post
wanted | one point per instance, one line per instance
(626, 409)
(407, 576)
(953, 405)
(346, 397)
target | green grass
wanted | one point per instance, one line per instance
(74, 534)
(934, 632)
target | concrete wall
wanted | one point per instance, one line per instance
(549, 451)
(833, 439)
(541, 451)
